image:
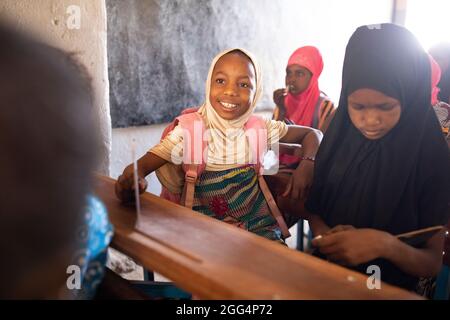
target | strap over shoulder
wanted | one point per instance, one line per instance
(256, 132)
(194, 145)
(194, 153)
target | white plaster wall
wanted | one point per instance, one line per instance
(121, 155)
(47, 20)
(328, 25)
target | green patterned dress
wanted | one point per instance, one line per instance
(234, 196)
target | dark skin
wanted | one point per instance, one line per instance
(339, 245)
(297, 81)
(233, 87)
(374, 114)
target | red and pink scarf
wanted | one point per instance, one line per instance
(300, 108)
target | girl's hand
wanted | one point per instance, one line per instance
(300, 181)
(124, 186)
(352, 247)
(318, 226)
(278, 98)
(338, 228)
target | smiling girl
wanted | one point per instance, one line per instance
(228, 189)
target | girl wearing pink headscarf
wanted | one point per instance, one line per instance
(441, 108)
(302, 102)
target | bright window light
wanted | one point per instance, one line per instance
(429, 21)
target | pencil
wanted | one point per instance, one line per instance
(135, 176)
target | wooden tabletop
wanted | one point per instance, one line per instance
(214, 260)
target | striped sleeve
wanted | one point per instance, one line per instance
(275, 131)
(171, 147)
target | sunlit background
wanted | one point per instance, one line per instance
(429, 20)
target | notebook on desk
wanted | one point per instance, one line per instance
(419, 237)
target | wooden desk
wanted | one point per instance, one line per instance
(214, 260)
(446, 258)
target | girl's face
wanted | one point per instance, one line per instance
(373, 113)
(233, 86)
(297, 78)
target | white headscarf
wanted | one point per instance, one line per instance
(224, 134)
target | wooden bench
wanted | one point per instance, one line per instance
(214, 260)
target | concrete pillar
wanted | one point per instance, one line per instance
(76, 26)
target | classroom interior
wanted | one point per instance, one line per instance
(103, 35)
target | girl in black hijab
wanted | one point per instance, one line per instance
(383, 167)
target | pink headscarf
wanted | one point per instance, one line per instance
(300, 108)
(435, 77)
